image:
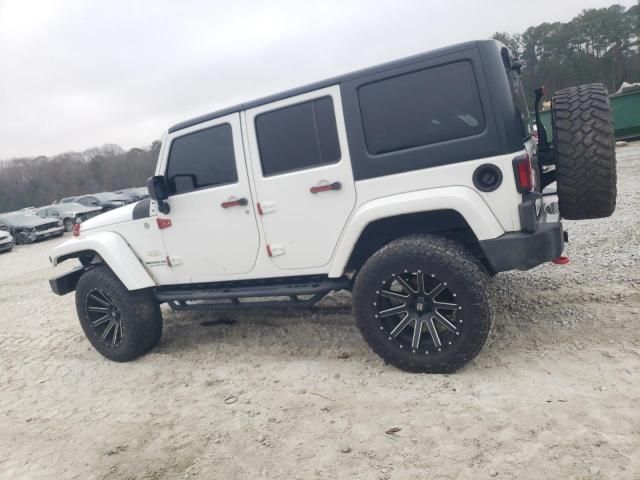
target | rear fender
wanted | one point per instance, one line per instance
(114, 251)
(463, 200)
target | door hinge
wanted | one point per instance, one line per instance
(275, 250)
(266, 207)
(174, 261)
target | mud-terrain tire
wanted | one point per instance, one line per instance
(585, 146)
(390, 281)
(132, 317)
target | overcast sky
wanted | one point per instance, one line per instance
(76, 74)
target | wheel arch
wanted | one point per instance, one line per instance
(112, 250)
(458, 213)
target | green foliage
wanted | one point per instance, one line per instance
(39, 181)
(598, 45)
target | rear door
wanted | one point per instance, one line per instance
(213, 231)
(302, 174)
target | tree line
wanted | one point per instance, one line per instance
(42, 180)
(598, 45)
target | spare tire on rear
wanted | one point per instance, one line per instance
(585, 151)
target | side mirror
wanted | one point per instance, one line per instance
(157, 186)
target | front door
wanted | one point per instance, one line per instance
(212, 231)
(302, 175)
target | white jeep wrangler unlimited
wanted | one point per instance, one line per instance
(407, 183)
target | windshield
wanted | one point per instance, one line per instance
(109, 197)
(18, 218)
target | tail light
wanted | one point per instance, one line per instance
(523, 173)
(75, 231)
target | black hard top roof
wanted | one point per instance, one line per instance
(330, 81)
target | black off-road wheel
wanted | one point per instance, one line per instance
(585, 145)
(421, 303)
(120, 324)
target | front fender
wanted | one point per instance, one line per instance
(463, 200)
(115, 252)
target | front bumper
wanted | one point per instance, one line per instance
(7, 245)
(50, 232)
(541, 239)
(66, 283)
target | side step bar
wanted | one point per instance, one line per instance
(258, 296)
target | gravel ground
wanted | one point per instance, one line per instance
(289, 395)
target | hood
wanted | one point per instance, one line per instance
(31, 221)
(76, 208)
(118, 215)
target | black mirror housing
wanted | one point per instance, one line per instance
(158, 191)
(157, 187)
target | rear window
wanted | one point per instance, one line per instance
(301, 136)
(420, 108)
(517, 92)
(202, 159)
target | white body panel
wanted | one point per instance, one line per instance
(207, 242)
(302, 228)
(461, 199)
(317, 232)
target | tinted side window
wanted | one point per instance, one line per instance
(421, 108)
(202, 159)
(297, 137)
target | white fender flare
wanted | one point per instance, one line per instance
(463, 200)
(115, 252)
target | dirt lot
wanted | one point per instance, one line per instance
(555, 393)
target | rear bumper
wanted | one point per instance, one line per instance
(524, 250)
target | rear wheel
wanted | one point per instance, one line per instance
(585, 146)
(119, 323)
(421, 304)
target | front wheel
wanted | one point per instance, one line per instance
(120, 324)
(421, 304)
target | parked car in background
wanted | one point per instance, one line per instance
(6, 240)
(68, 200)
(143, 192)
(69, 213)
(28, 227)
(132, 194)
(105, 200)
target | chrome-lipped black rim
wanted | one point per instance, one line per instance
(105, 318)
(418, 312)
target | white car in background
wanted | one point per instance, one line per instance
(6, 241)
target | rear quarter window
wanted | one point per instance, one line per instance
(420, 108)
